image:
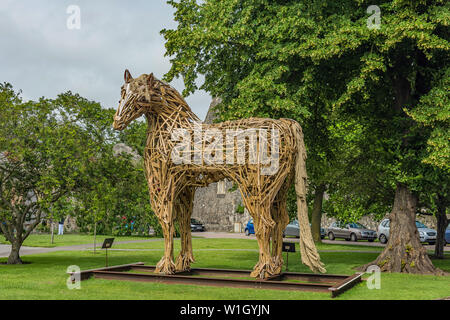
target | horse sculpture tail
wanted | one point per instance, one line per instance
(309, 254)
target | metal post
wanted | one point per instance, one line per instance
(107, 243)
(287, 261)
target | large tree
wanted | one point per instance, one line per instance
(232, 44)
(432, 113)
(115, 195)
(46, 148)
(291, 58)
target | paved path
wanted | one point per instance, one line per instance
(6, 248)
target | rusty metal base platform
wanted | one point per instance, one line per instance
(335, 284)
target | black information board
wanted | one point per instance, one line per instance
(108, 243)
(288, 247)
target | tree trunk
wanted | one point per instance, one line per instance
(95, 236)
(404, 252)
(52, 231)
(14, 257)
(316, 217)
(442, 223)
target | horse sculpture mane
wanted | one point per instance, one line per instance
(182, 154)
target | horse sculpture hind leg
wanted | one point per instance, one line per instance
(279, 214)
(258, 196)
(263, 229)
(184, 208)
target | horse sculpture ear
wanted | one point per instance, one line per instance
(127, 76)
(151, 80)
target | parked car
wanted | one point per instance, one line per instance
(197, 225)
(351, 231)
(426, 234)
(293, 229)
(249, 228)
(447, 235)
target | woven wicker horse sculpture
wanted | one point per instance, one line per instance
(182, 154)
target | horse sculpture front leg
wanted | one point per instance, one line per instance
(166, 219)
(164, 210)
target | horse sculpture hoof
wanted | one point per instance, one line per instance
(183, 262)
(165, 266)
(265, 270)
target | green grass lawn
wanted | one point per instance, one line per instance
(239, 244)
(45, 277)
(44, 240)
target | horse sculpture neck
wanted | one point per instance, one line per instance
(169, 109)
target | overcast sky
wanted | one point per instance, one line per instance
(42, 56)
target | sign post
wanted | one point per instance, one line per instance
(106, 245)
(288, 247)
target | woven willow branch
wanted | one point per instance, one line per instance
(210, 155)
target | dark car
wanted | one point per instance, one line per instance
(293, 229)
(249, 228)
(197, 225)
(350, 231)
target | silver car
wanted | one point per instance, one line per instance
(293, 229)
(350, 231)
(426, 234)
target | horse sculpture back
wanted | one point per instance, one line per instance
(182, 154)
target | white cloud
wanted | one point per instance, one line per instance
(42, 57)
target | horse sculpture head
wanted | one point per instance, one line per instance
(135, 99)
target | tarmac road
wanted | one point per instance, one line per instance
(207, 234)
(6, 248)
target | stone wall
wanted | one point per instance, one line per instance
(218, 211)
(70, 224)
